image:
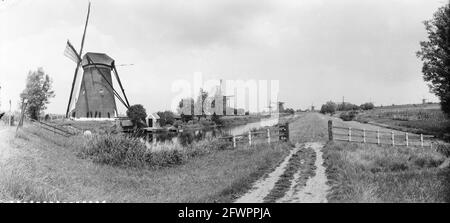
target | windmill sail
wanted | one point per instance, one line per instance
(77, 88)
(71, 53)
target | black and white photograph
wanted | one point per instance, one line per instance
(236, 102)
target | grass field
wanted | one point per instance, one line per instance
(45, 167)
(425, 119)
(369, 173)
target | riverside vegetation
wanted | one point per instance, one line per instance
(115, 168)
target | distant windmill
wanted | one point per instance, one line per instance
(96, 94)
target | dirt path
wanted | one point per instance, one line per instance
(316, 187)
(263, 187)
(315, 190)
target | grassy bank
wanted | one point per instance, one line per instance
(47, 167)
(370, 173)
(419, 119)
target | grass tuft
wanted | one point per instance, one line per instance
(369, 173)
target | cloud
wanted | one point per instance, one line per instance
(331, 48)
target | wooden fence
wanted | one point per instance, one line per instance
(378, 137)
(52, 128)
(280, 132)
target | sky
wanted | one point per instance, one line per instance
(318, 50)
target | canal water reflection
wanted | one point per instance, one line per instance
(188, 136)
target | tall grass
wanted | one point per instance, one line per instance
(17, 183)
(369, 173)
(44, 168)
(412, 119)
(121, 150)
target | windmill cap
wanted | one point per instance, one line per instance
(97, 58)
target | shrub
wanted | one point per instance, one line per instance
(121, 150)
(289, 110)
(216, 119)
(348, 116)
(367, 106)
(114, 150)
(166, 118)
(347, 107)
(329, 107)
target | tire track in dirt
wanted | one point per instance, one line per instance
(309, 183)
(316, 188)
(263, 186)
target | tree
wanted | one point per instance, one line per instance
(367, 106)
(435, 54)
(329, 107)
(289, 111)
(345, 106)
(137, 114)
(166, 118)
(37, 92)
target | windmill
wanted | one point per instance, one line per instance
(95, 96)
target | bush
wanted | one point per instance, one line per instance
(121, 150)
(347, 107)
(348, 116)
(367, 106)
(329, 107)
(116, 150)
(289, 110)
(166, 118)
(216, 119)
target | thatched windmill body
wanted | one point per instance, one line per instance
(92, 94)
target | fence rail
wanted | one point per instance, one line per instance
(281, 132)
(52, 128)
(378, 137)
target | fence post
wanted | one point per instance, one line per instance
(393, 139)
(330, 130)
(421, 140)
(406, 136)
(378, 136)
(364, 136)
(268, 136)
(234, 141)
(349, 134)
(22, 114)
(250, 137)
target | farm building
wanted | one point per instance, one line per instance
(153, 120)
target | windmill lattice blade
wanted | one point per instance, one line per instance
(85, 28)
(78, 64)
(71, 53)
